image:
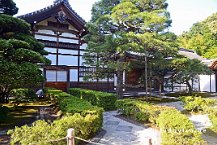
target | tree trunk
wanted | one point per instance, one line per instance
(4, 94)
(189, 87)
(120, 70)
(119, 87)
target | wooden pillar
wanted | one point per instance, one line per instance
(68, 79)
(71, 136)
(79, 53)
(45, 76)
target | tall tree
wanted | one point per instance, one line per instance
(20, 55)
(118, 27)
(202, 37)
(187, 70)
(8, 7)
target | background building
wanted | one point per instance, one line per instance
(61, 30)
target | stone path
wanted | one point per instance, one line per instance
(121, 132)
(178, 105)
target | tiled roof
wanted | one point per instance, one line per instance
(51, 7)
(191, 54)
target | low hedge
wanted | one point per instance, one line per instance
(140, 110)
(213, 119)
(100, 99)
(195, 104)
(179, 94)
(79, 114)
(177, 129)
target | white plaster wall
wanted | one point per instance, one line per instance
(61, 76)
(51, 76)
(68, 35)
(46, 32)
(52, 50)
(64, 51)
(52, 57)
(115, 80)
(45, 38)
(205, 83)
(82, 61)
(73, 75)
(66, 40)
(68, 60)
(83, 46)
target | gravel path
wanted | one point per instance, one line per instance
(121, 132)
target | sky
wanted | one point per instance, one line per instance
(184, 13)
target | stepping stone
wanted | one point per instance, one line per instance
(124, 128)
(112, 122)
(128, 137)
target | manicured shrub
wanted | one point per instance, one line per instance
(140, 110)
(179, 94)
(177, 129)
(100, 99)
(79, 114)
(193, 103)
(41, 132)
(23, 94)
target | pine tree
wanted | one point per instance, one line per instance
(118, 27)
(8, 7)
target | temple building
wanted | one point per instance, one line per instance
(61, 30)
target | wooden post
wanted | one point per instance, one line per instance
(149, 141)
(70, 136)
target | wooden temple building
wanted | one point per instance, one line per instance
(61, 29)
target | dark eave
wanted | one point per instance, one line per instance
(40, 15)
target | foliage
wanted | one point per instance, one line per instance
(157, 99)
(140, 110)
(202, 37)
(100, 99)
(20, 54)
(118, 27)
(41, 132)
(23, 94)
(187, 70)
(79, 114)
(194, 103)
(3, 112)
(8, 7)
(213, 118)
(179, 94)
(177, 129)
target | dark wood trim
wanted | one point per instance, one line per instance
(68, 79)
(49, 35)
(63, 54)
(47, 12)
(65, 48)
(57, 50)
(45, 76)
(55, 29)
(61, 44)
(79, 63)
